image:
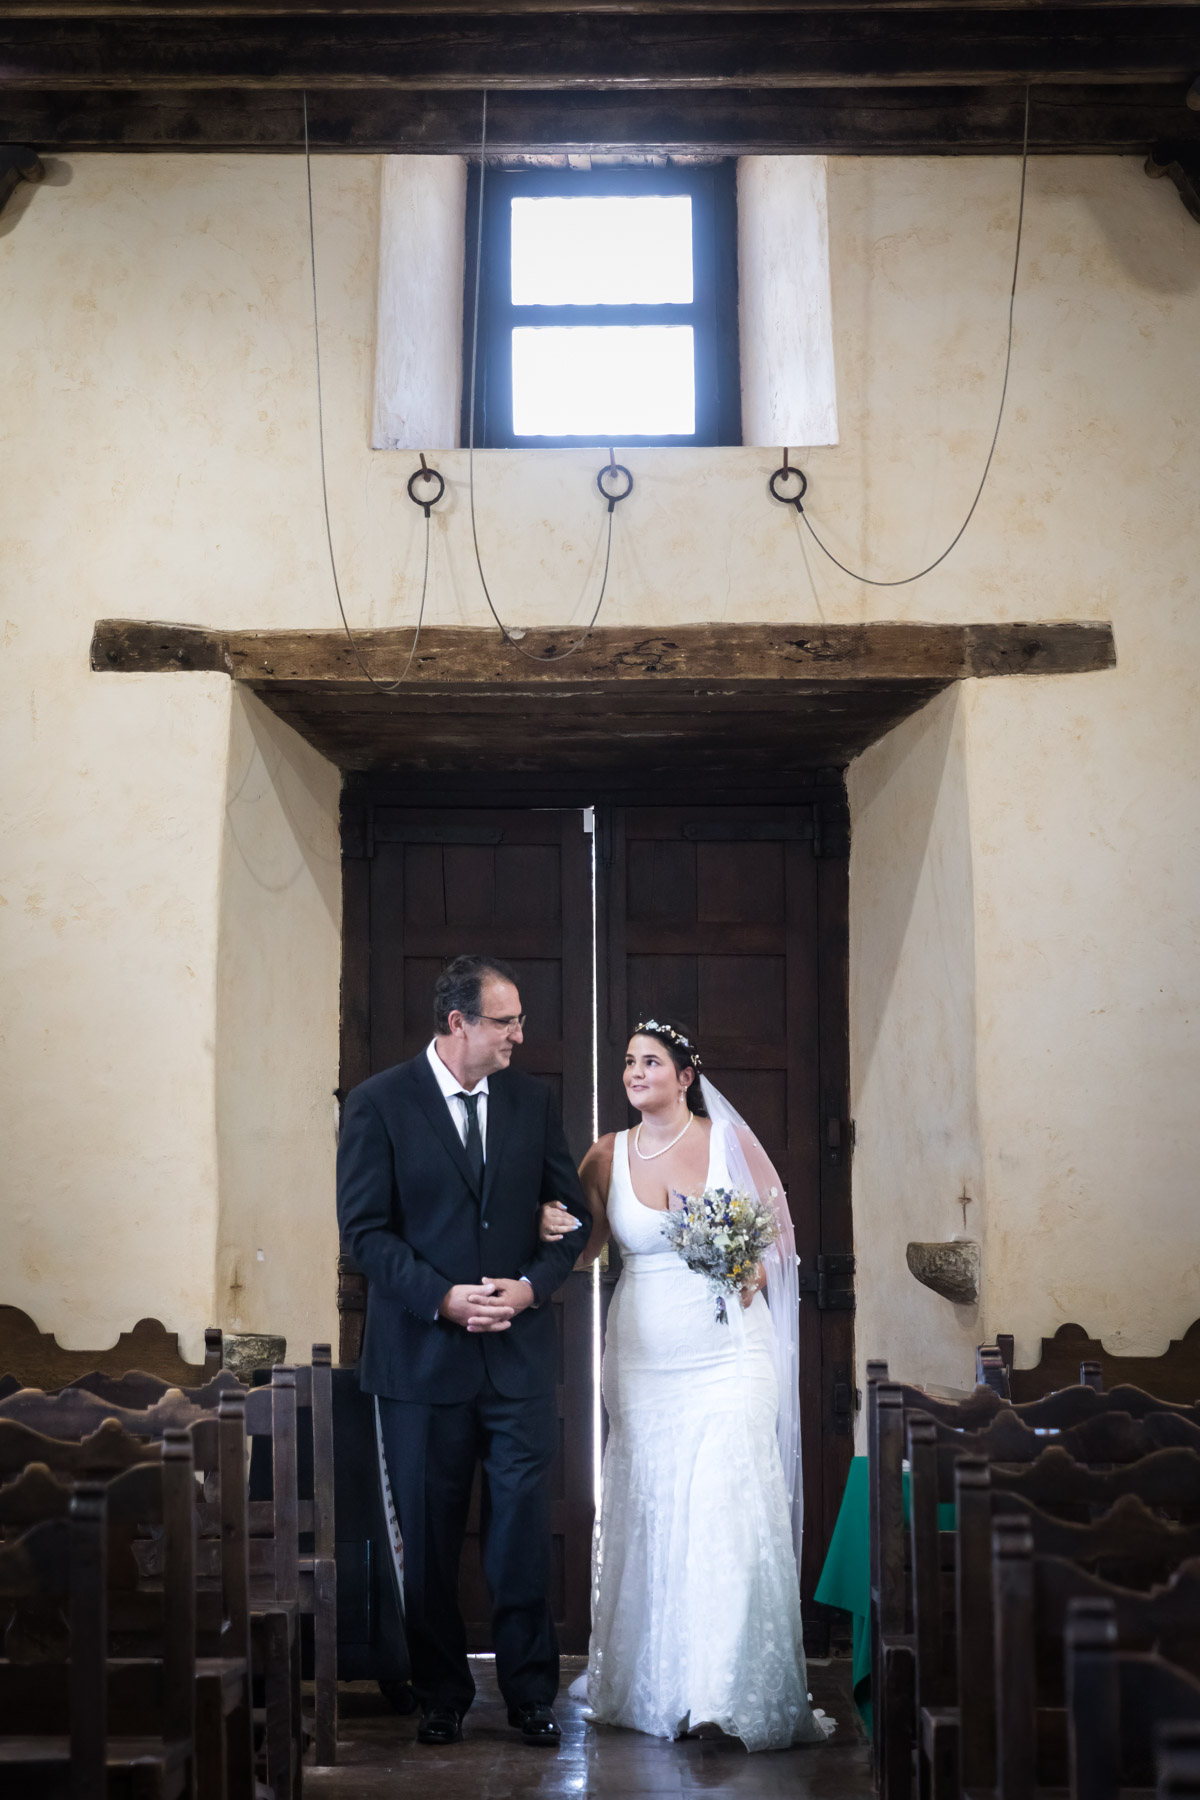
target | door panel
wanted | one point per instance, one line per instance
(718, 917)
(516, 885)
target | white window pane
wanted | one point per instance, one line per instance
(609, 251)
(622, 380)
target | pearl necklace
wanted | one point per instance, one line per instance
(637, 1142)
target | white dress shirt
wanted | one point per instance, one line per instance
(453, 1089)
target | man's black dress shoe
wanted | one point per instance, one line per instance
(439, 1725)
(536, 1724)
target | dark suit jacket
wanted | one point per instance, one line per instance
(410, 1215)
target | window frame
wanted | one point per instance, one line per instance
(712, 313)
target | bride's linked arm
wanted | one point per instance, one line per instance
(595, 1172)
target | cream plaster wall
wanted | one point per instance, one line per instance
(158, 425)
(913, 1044)
(278, 970)
(158, 449)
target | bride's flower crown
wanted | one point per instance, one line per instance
(672, 1036)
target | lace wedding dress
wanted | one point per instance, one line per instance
(695, 1600)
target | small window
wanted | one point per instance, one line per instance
(607, 307)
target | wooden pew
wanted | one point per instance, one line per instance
(138, 1389)
(317, 1594)
(1050, 1412)
(1092, 1426)
(39, 1360)
(1175, 1375)
(270, 1412)
(951, 1572)
(1032, 1614)
(950, 1620)
(893, 1650)
(54, 1712)
(1126, 1711)
(1167, 1480)
(214, 1447)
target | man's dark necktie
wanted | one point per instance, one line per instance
(474, 1142)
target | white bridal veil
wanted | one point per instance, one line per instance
(751, 1170)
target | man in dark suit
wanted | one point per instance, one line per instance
(443, 1165)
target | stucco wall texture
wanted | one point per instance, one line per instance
(1026, 855)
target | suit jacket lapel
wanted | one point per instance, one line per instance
(499, 1115)
(433, 1105)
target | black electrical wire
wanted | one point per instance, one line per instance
(381, 687)
(505, 633)
(904, 580)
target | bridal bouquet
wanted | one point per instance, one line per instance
(721, 1234)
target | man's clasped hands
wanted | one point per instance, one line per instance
(489, 1305)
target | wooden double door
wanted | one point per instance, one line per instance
(731, 919)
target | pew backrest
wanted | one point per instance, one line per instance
(1128, 1537)
(74, 1413)
(1120, 1705)
(1165, 1618)
(1175, 1375)
(139, 1390)
(38, 1469)
(102, 1452)
(60, 1564)
(1168, 1480)
(37, 1359)
(1104, 1438)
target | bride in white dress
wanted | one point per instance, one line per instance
(695, 1596)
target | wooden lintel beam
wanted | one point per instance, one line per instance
(132, 10)
(734, 658)
(570, 49)
(148, 647)
(1064, 119)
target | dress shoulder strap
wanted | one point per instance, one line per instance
(619, 1177)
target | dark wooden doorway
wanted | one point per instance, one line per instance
(730, 916)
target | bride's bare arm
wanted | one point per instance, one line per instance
(595, 1171)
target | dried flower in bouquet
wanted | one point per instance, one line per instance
(721, 1234)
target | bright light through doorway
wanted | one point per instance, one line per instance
(589, 825)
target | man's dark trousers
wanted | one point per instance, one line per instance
(432, 1452)
(420, 1216)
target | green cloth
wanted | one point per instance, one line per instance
(846, 1578)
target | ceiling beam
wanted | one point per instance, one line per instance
(338, 9)
(451, 50)
(736, 658)
(726, 121)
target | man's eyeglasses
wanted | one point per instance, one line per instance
(514, 1019)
